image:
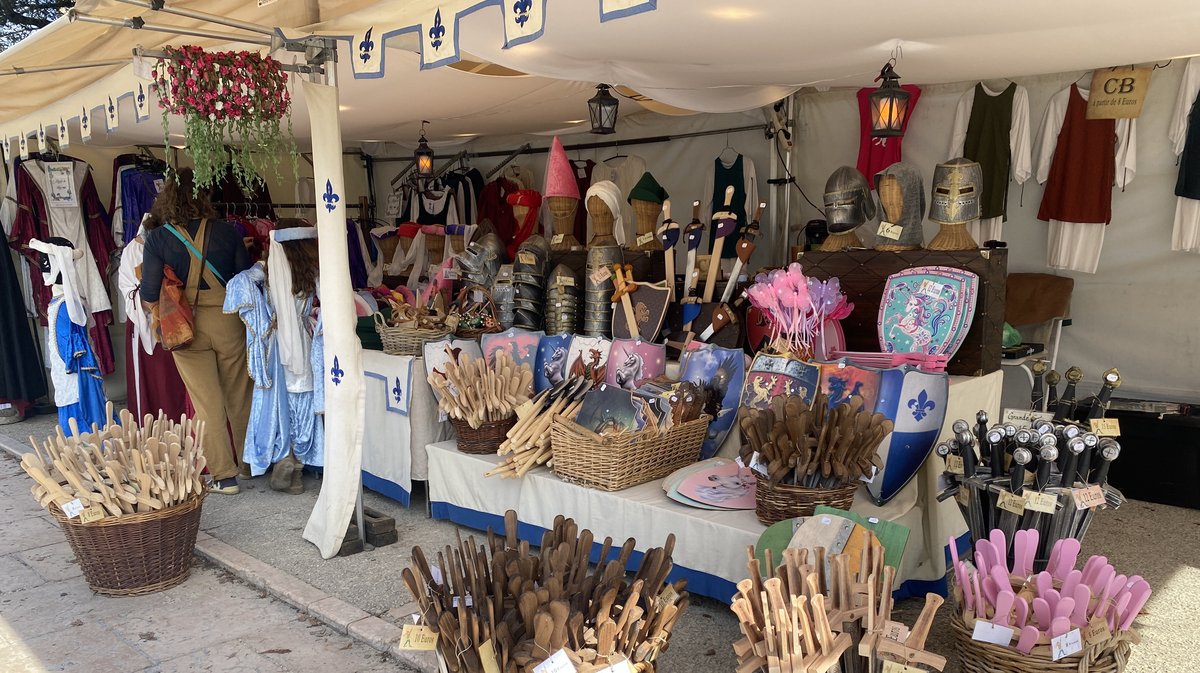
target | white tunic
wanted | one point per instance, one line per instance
(1076, 246)
(1186, 234)
(1020, 149)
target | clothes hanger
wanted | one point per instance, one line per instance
(728, 147)
(618, 155)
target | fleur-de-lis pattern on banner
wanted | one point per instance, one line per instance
(24, 146)
(521, 11)
(398, 392)
(41, 136)
(336, 373)
(921, 405)
(366, 46)
(111, 114)
(64, 136)
(523, 21)
(141, 105)
(7, 147)
(330, 197)
(437, 32)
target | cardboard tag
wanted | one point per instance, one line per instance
(90, 514)
(892, 667)
(418, 637)
(558, 238)
(526, 258)
(1106, 427)
(1097, 631)
(558, 662)
(1118, 93)
(451, 274)
(1041, 502)
(436, 573)
(602, 274)
(1009, 502)
(668, 596)
(433, 270)
(622, 666)
(1065, 645)
(1088, 498)
(505, 272)
(758, 463)
(566, 281)
(487, 656)
(393, 205)
(645, 238)
(895, 631)
(73, 509)
(987, 632)
(963, 496)
(954, 464)
(477, 296)
(931, 288)
(889, 230)
(870, 479)
(1024, 418)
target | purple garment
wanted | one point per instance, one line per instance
(139, 187)
(358, 268)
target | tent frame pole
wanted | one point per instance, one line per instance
(138, 24)
(160, 6)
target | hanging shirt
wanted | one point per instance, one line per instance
(466, 186)
(437, 210)
(20, 372)
(739, 174)
(992, 128)
(1184, 133)
(138, 189)
(494, 210)
(876, 154)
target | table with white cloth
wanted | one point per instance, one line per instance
(710, 546)
(400, 418)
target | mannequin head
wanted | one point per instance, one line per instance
(302, 256)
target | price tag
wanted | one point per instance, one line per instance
(1011, 503)
(1088, 498)
(505, 272)
(668, 596)
(90, 514)
(477, 296)
(602, 274)
(436, 573)
(825, 521)
(758, 463)
(487, 657)
(526, 258)
(1024, 418)
(954, 464)
(889, 230)
(1041, 502)
(558, 238)
(1065, 645)
(558, 662)
(895, 631)
(622, 666)
(393, 205)
(418, 637)
(987, 632)
(931, 288)
(963, 496)
(433, 270)
(893, 667)
(1097, 631)
(73, 509)
(566, 281)
(1106, 427)
(870, 479)
(645, 238)
(451, 274)
(467, 601)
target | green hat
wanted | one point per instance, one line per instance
(648, 189)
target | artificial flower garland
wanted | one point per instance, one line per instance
(232, 103)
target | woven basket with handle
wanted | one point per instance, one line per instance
(406, 340)
(483, 440)
(617, 462)
(775, 503)
(979, 657)
(470, 305)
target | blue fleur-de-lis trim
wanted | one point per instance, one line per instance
(366, 46)
(521, 10)
(112, 109)
(437, 32)
(398, 392)
(921, 405)
(330, 197)
(141, 97)
(83, 120)
(336, 372)
(42, 135)
(62, 129)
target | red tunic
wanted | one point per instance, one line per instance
(876, 154)
(1079, 188)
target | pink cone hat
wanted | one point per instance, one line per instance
(560, 179)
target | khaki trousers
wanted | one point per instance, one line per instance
(213, 369)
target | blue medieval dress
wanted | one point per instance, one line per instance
(78, 385)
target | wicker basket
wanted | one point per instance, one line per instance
(617, 462)
(775, 503)
(487, 308)
(483, 440)
(979, 657)
(137, 553)
(406, 340)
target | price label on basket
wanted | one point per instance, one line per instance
(1011, 503)
(1087, 498)
(987, 632)
(1040, 502)
(558, 662)
(418, 637)
(1065, 645)
(73, 509)
(90, 514)
(1106, 427)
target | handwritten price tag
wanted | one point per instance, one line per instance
(954, 464)
(1010, 502)
(963, 496)
(987, 632)
(1065, 645)
(558, 662)
(622, 666)
(602, 274)
(1040, 502)
(1088, 498)
(1024, 418)
(450, 274)
(566, 281)
(558, 238)
(1106, 427)
(73, 509)
(893, 667)
(90, 514)
(895, 631)
(1097, 631)
(645, 238)
(417, 637)
(889, 230)
(487, 657)
(667, 597)
(526, 258)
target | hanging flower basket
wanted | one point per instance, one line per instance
(232, 104)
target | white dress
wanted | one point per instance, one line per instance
(1019, 147)
(1186, 233)
(1076, 246)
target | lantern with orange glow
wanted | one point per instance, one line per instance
(889, 105)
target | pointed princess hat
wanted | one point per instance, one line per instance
(560, 179)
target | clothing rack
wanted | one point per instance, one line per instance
(280, 205)
(516, 153)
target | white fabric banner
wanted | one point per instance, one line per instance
(85, 125)
(439, 39)
(141, 103)
(615, 9)
(368, 54)
(343, 353)
(64, 136)
(112, 115)
(524, 20)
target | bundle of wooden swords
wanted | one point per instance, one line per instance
(520, 608)
(814, 613)
(528, 442)
(812, 445)
(123, 468)
(472, 391)
(1051, 477)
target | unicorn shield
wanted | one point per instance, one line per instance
(915, 402)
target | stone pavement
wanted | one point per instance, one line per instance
(51, 621)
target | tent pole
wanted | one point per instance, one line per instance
(19, 70)
(787, 198)
(158, 6)
(139, 24)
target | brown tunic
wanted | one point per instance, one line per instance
(1079, 188)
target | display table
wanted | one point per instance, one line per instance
(400, 418)
(710, 547)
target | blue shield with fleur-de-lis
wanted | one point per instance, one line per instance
(521, 11)
(366, 46)
(915, 402)
(330, 197)
(437, 31)
(336, 373)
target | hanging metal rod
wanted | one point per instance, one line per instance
(287, 67)
(160, 6)
(512, 155)
(137, 23)
(28, 70)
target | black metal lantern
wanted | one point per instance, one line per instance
(423, 154)
(603, 110)
(889, 105)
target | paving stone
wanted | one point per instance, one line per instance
(16, 576)
(375, 632)
(337, 613)
(53, 562)
(29, 533)
(88, 647)
(295, 592)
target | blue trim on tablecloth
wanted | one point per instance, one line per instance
(699, 583)
(384, 487)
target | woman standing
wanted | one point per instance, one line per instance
(206, 252)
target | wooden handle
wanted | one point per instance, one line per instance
(666, 209)
(728, 196)
(762, 205)
(696, 211)
(920, 629)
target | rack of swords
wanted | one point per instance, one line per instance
(1051, 476)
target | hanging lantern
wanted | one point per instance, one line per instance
(603, 110)
(423, 154)
(889, 105)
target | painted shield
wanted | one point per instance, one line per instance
(915, 402)
(649, 303)
(552, 366)
(927, 310)
(722, 372)
(779, 375)
(840, 381)
(588, 357)
(521, 344)
(632, 362)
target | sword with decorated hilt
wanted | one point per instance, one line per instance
(1112, 381)
(1084, 467)
(721, 317)
(623, 282)
(1037, 395)
(726, 224)
(668, 233)
(745, 248)
(1109, 450)
(1067, 403)
(694, 232)
(1052, 379)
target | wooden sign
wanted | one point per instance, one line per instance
(1118, 93)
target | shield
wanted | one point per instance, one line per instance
(552, 365)
(650, 303)
(927, 310)
(841, 380)
(779, 375)
(722, 372)
(727, 336)
(915, 402)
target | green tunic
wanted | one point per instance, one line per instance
(988, 143)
